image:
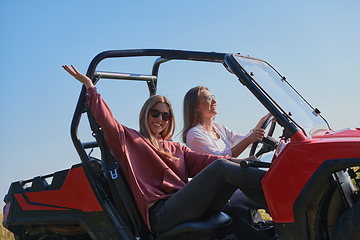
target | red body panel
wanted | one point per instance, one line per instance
(76, 193)
(294, 166)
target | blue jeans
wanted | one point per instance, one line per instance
(206, 194)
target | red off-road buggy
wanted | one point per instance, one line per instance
(311, 185)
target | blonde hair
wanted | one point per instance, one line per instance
(190, 113)
(168, 132)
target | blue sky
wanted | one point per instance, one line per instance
(315, 44)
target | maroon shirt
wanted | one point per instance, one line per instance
(150, 174)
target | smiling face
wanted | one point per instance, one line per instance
(206, 104)
(157, 124)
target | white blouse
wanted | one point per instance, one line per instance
(199, 140)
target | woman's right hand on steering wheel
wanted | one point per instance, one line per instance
(257, 135)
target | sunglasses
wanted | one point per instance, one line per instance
(209, 98)
(164, 115)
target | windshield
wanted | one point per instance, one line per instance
(283, 95)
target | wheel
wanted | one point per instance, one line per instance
(348, 226)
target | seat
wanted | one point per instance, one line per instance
(214, 227)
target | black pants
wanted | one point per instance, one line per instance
(207, 193)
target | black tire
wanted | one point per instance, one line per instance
(348, 226)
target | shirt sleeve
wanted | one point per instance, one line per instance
(230, 136)
(104, 117)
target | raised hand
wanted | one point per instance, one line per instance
(79, 76)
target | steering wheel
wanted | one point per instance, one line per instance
(268, 143)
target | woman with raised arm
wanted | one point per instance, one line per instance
(157, 170)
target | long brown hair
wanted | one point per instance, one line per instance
(190, 113)
(168, 132)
